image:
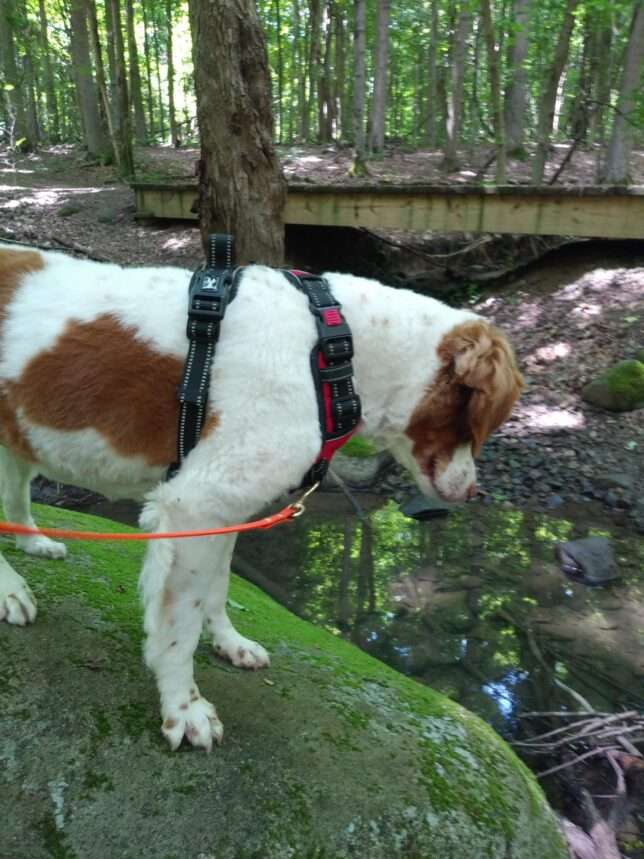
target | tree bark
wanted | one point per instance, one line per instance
(277, 10)
(174, 128)
(31, 108)
(495, 89)
(380, 77)
(432, 79)
(242, 190)
(359, 80)
(12, 80)
(93, 132)
(549, 93)
(621, 139)
(135, 76)
(458, 56)
(326, 113)
(147, 52)
(101, 80)
(53, 120)
(314, 61)
(516, 93)
(125, 160)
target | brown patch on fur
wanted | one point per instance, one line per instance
(472, 395)
(169, 724)
(210, 424)
(98, 375)
(184, 706)
(14, 265)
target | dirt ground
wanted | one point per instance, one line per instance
(570, 315)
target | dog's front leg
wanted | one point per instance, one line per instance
(174, 585)
(226, 641)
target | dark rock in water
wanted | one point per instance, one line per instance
(421, 507)
(590, 560)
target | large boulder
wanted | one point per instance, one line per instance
(327, 754)
(619, 389)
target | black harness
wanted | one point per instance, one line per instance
(212, 288)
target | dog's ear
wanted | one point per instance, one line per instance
(481, 359)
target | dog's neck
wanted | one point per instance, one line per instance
(396, 334)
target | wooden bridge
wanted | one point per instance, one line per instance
(591, 211)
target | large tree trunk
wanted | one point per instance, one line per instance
(135, 76)
(11, 80)
(53, 121)
(93, 132)
(549, 93)
(314, 61)
(277, 10)
(125, 158)
(516, 93)
(31, 110)
(174, 128)
(621, 142)
(242, 190)
(359, 80)
(326, 104)
(380, 77)
(458, 56)
(495, 89)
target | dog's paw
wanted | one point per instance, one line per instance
(242, 652)
(41, 546)
(195, 720)
(18, 605)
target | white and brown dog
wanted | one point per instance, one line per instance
(90, 359)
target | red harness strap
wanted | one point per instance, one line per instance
(338, 403)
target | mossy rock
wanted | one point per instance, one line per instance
(619, 389)
(328, 753)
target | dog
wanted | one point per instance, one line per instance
(91, 355)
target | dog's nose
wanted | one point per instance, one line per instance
(471, 491)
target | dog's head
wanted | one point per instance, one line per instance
(471, 395)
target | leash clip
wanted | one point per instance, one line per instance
(299, 507)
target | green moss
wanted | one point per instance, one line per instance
(627, 380)
(359, 447)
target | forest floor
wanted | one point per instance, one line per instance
(571, 315)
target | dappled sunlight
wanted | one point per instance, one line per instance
(43, 197)
(552, 352)
(546, 418)
(14, 171)
(175, 243)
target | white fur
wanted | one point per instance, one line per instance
(266, 438)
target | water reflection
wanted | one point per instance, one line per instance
(474, 605)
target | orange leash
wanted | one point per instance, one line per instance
(291, 511)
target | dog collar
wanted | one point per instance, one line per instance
(212, 288)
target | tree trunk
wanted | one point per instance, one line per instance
(380, 77)
(124, 133)
(277, 10)
(93, 131)
(516, 93)
(11, 80)
(454, 119)
(157, 62)
(31, 109)
(495, 89)
(342, 94)
(359, 81)
(101, 80)
(111, 60)
(432, 79)
(549, 94)
(621, 139)
(135, 76)
(53, 120)
(600, 63)
(147, 52)
(174, 128)
(314, 61)
(326, 113)
(242, 190)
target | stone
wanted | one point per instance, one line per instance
(108, 216)
(68, 209)
(421, 507)
(619, 389)
(337, 756)
(590, 560)
(357, 471)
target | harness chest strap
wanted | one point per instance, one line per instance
(211, 289)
